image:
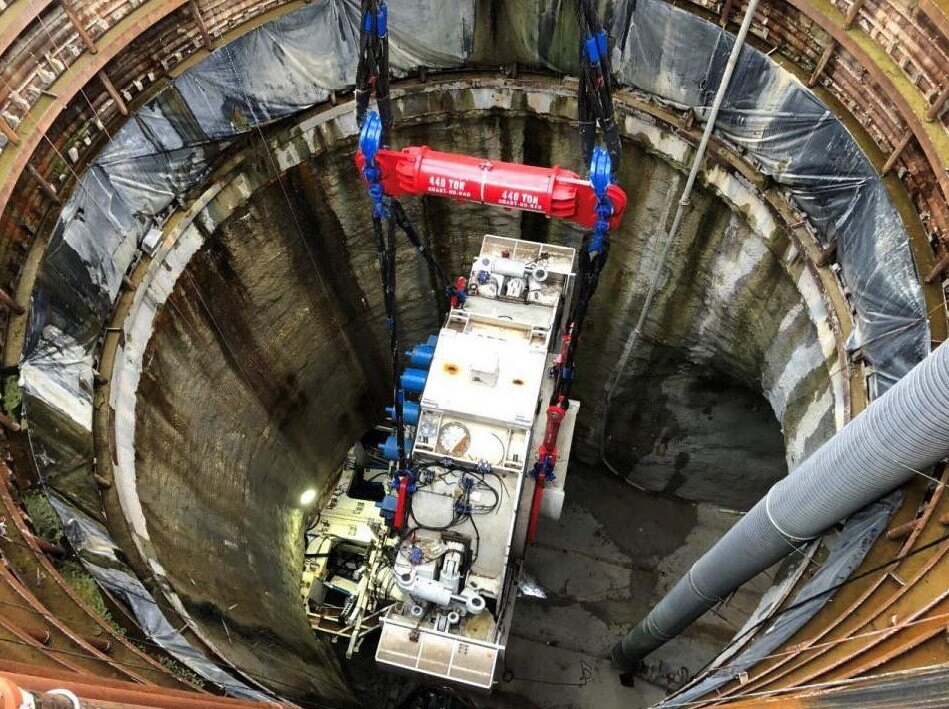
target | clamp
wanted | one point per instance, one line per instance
(601, 177)
(370, 140)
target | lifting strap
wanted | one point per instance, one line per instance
(595, 108)
(597, 205)
(383, 228)
(372, 72)
(595, 92)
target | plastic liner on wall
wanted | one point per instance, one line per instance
(424, 33)
(99, 558)
(161, 153)
(846, 552)
(278, 69)
(291, 63)
(784, 129)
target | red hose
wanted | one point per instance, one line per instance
(539, 485)
(401, 502)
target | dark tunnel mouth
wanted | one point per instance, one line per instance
(343, 144)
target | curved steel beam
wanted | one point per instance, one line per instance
(909, 103)
(32, 130)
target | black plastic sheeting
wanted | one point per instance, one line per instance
(783, 129)
(100, 559)
(293, 62)
(155, 159)
(846, 552)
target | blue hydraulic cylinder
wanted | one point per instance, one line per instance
(390, 449)
(413, 380)
(421, 356)
(410, 413)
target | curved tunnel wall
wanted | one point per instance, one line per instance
(215, 394)
(70, 394)
(194, 341)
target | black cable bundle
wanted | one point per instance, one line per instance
(372, 71)
(589, 268)
(595, 92)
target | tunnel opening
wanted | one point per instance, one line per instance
(694, 432)
(269, 361)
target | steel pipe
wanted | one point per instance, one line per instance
(899, 435)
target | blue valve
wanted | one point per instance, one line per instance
(390, 449)
(421, 356)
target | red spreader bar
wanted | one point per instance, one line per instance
(552, 191)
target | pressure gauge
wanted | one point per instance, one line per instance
(454, 439)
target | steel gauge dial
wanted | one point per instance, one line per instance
(454, 439)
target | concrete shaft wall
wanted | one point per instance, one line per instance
(885, 72)
(269, 359)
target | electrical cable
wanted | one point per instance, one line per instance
(477, 552)
(405, 224)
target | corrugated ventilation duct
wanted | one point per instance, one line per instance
(903, 432)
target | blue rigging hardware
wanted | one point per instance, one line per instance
(601, 176)
(370, 140)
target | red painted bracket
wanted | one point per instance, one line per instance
(401, 503)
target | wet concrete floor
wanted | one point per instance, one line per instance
(610, 557)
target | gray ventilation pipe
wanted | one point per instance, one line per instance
(903, 432)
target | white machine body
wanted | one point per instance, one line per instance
(443, 590)
(484, 405)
